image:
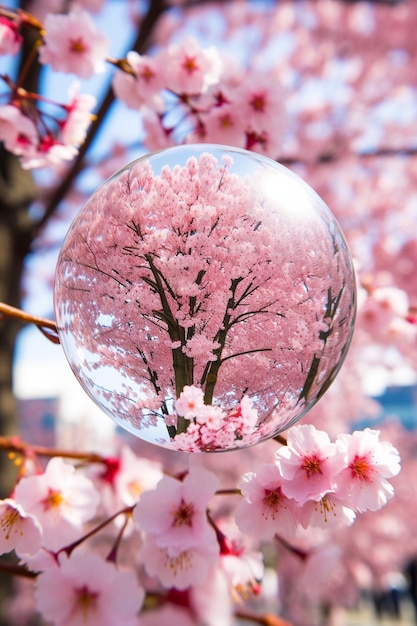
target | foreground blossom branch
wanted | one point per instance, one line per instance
(174, 523)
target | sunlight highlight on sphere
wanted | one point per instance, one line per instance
(205, 298)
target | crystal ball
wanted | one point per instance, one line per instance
(205, 298)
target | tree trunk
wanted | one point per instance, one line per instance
(17, 191)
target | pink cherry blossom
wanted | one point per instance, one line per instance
(73, 44)
(262, 100)
(126, 478)
(175, 511)
(79, 117)
(363, 483)
(381, 310)
(61, 500)
(143, 85)
(190, 69)
(190, 402)
(224, 124)
(18, 531)
(216, 585)
(157, 136)
(10, 37)
(244, 570)
(86, 590)
(308, 463)
(43, 559)
(211, 428)
(329, 512)
(136, 476)
(232, 580)
(49, 153)
(17, 131)
(180, 566)
(265, 510)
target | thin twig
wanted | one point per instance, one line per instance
(267, 619)
(16, 570)
(228, 492)
(14, 444)
(10, 311)
(280, 439)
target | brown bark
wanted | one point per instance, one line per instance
(17, 191)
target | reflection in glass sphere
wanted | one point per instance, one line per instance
(205, 298)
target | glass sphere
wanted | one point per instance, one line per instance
(205, 298)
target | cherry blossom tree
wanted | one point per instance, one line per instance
(131, 537)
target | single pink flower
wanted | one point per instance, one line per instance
(190, 402)
(244, 571)
(363, 483)
(265, 510)
(175, 511)
(10, 37)
(180, 566)
(17, 131)
(143, 87)
(262, 101)
(234, 578)
(61, 499)
(79, 117)
(224, 124)
(86, 590)
(328, 512)
(18, 531)
(308, 464)
(216, 585)
(381, 310)
(157, 137)
(190, 69)
(136, 476)
(49, 153)
(125, 479)
(73, 44)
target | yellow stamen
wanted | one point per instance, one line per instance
(86, 602)
(273, 500)
(181, 562)
(311, 465)
(258, 103)
(190, 65)
(53, 500)
(135, 489)
(183, 516)
(77, 45)
(360, 468)
(11, 521)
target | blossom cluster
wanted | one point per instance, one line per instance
(317, 482)
(184, 93)
(102, 536)
(187, 94)
(211, 427)
(41, 131)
